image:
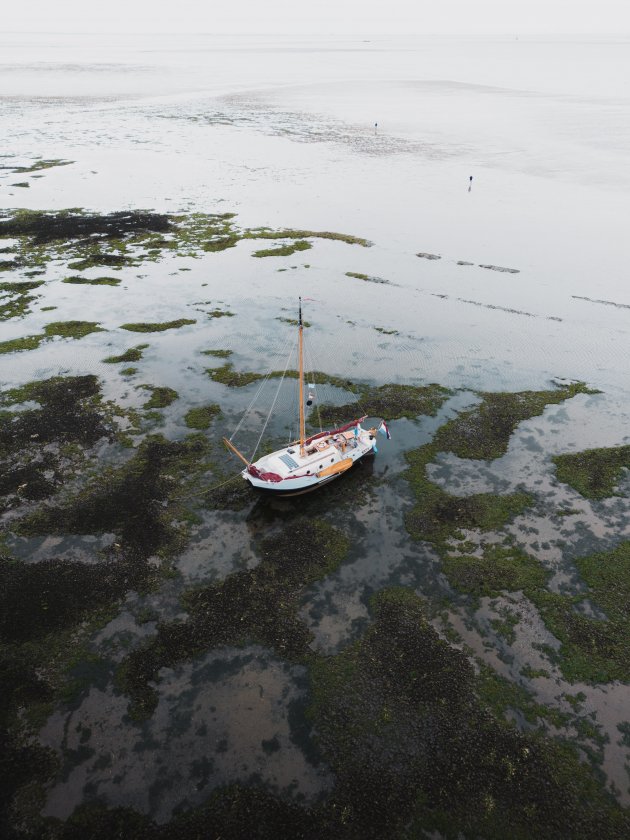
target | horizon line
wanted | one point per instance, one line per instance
(511, 33)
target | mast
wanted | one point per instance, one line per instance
(301, 378)
(233, 449)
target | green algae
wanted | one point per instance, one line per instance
(201, 417)
(294, 322)
(232, 812)
(265, 233)
(20, 287)
(96, 259)
(503, 696)
(386, 332)
(138, 501)
(484, 431)
(71, 329)
(19, 299)
(161, 396)
(95, 281)
(63, 329)
(357, 275)
(59, 593)
(257, 605)
(607, 575)
(226, 375)
(134, 354)
(437, 515)
(593, 650)
(68, 600)
(391, 402)
(70, 411)
(33, 480)
(318, 377)
(15, 345)
(504, 626)
(499, 569)
(39, 165)
(46, 227)
(219, 313)
(284, 250)
(159, 326)
(446, 763)
(127, 238)
(40, 447)
(594, 473)
(129, 371)
(218, 354)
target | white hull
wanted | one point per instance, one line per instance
(290, 472)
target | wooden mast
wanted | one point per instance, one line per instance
(233, 449)
(300, 350)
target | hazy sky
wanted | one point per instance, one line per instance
(318, 16)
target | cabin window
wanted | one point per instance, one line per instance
(331, 460)
(320, 466)
(308, 472)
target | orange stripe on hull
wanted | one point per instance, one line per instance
(339, 467)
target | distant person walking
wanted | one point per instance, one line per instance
(470, 183)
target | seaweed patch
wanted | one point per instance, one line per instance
(76, 280)
(15, 298)
(284, 250)
(500, 268)
(389, 401)
(594, 473)
(456, 768)
(367, 278)
(161, 396)
(202, 416)
(484, 432)
(158, 326)
(259, 605)
(133, 354)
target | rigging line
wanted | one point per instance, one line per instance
(260, 387)
(209, 489)
(307, 353)
(286, 367)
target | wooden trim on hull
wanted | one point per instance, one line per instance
(338, 468)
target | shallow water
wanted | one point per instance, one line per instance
(284, 135)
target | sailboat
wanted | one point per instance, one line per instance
(308, 463)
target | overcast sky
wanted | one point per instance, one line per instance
(318, 16)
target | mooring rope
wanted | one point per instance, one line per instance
(208, 489)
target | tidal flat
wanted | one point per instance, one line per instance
(435, 644)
